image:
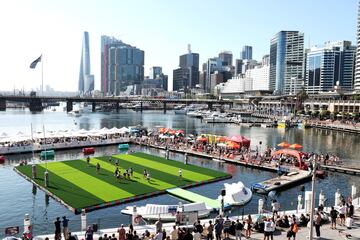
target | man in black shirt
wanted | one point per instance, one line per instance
(57, 229)
(333, 216)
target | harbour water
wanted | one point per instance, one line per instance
(17, 196)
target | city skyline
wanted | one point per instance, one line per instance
(55, 30)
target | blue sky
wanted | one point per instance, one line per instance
(162, 28)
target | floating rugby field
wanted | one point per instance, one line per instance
(78, 186)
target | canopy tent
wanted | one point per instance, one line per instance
(291, 152)
(124, 130)
(284, 144)
(241, 140)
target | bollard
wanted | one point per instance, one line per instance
(33, 171)
(321, 198)
(46, 178)
(27, 222)
(353, 192)
(337, 197)
(308, 196)
(260, 206)
(300, 206)
(83, 220)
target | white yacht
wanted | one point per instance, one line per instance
(167, 212)
(75, 113)
(217, 118)
(236, 194)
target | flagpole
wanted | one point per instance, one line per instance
(32, 141)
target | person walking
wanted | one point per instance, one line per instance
(317, 224)
(238, 229)
(65, 223)
(57, 224)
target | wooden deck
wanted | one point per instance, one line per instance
(284, 181)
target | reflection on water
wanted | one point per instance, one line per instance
(21, 198)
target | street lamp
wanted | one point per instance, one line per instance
(223, 193)
(311, 237)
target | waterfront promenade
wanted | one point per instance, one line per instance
(326, 232)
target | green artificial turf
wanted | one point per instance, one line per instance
(80, 186)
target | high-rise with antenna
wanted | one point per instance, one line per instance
(357, 63)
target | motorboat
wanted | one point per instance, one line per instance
(75, 113)
(167, 212)
(196, 114)
(237, 194)
(217, 118)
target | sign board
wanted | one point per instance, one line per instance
(12, 230)
(189, 218)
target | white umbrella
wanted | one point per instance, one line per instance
(124, 130)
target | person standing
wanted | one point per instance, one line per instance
(218, 229)
(180, 173)
(248, 226)
(267, 228)
(210, 230)
(174, 233)
(57, 224)
(317, 224)
(158, 225)
(65, 223)
(238, 229)
(97, 167)
(275, 207)
(122, 232)
(342, 212)
(333, 216)
(226, 226)
(89, 233)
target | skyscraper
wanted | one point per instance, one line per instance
(329, 66)
(357, 65)
(86, 81)
(286, 62)
(187, 75)
(246, 52)
(154, 72)
(226, 57)
(122, 67)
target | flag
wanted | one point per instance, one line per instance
(34, 63)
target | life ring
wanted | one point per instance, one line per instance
(137, 219)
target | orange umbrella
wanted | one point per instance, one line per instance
(284, 144)
(202, 139)
(163, 130)
(171, 132)
(233, 145)
(296, 146)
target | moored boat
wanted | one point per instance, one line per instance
(167, 212)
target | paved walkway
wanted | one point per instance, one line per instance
(326, 233)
